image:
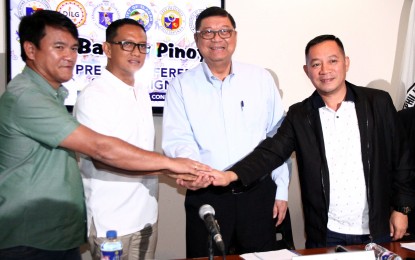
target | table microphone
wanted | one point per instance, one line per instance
(340, 248)
(207, 214)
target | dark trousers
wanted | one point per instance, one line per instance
(245, 219)
(30, 253)
(334, 239)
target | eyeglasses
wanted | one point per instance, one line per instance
(143, 48)
(210, 34)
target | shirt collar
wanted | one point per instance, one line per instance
(114, 81)
(210, 77)
(318, 102)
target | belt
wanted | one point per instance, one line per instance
(238, 188)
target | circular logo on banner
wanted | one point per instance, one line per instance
(142, 14)
(74, 11)
(192, 19)
(28, 7)
(172, 20)
(104, 14)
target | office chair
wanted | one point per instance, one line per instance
(284, 234)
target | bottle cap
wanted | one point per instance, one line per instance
(111, 234)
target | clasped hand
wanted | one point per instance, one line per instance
(213, 177)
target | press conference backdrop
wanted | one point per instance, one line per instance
(170, 26)
(273, 34)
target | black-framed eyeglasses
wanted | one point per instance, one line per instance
(210, 34)
(143, 48)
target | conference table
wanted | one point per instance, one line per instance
(393, 246)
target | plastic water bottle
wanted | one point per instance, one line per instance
(382, 253)
(111, 249)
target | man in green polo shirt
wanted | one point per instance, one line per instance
(42, 212)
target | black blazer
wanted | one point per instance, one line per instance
(385, 158)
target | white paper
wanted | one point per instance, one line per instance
(355, 255)
(282, 254)
(410, 246)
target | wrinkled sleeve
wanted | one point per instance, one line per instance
(177, 138)
(282, 175)
(268, 155)
(43, 119)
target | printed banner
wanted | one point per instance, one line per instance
(170, 26)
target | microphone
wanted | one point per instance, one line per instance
(207, 214)
(340, 248)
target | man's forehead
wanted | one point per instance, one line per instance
(58, 32)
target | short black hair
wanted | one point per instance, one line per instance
(111, 31)
(32, 27)
(213, 11)
(323, 38)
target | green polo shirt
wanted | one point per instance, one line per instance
(41, 192)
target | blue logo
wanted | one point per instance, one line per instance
(142, 14)
(104, 14)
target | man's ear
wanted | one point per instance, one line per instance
(347, 63)
(305, 68)
(29, 49)
(107, 49)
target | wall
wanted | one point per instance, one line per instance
(3, 68)
(273, 34)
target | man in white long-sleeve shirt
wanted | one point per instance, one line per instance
(217, 113)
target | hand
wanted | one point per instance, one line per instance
(181, 176)
(280, 210)
(220, 178)
(201, 182)
(398, 224)
(180, 166)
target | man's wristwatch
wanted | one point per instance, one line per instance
(403, 210)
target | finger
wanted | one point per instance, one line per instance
(275, 212)
(397, 235)
(391, 230)
(283, 214)
(181, 183)
(280, 219)
(205, 178)
(188, 185)
(188, 177)
(201, 182)
(400, 233)
(204, 167)
(201, 167)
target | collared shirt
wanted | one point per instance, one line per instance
(41, 195)
(219, 122)
(124, 203)
(348, 209)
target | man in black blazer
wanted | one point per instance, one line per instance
(354, 167)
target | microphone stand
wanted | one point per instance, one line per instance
(210, 246)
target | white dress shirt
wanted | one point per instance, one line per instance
(348, 209)
(118, 202)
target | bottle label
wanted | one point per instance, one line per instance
(389, 255)
(111, 250)
(111, 255)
